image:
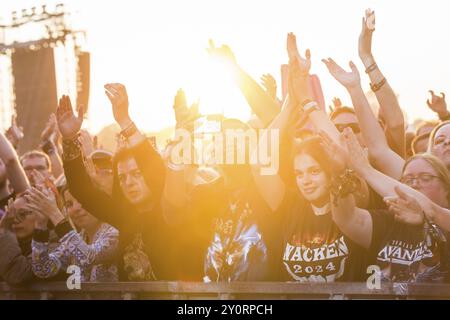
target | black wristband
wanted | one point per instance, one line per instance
(41, 235)
(129, 131)
(71, 148)
(63, 228)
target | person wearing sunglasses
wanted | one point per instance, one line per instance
(345, 117)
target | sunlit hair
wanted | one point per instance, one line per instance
(312, 146)
(416, 140)
(433, 135)
(62, 192)
(424, 124)
(437, 165)
(341, 110)
(36, 154)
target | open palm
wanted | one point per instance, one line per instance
(347, 79)
(69, 125)
(304, 63)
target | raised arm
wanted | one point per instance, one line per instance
(388, 187)
(262, 104)
(354, 222)
(270, 86)
(438, 105)
(14, 170)
(147, 158)
(272, 187)
(48, 146)
(92, 199)
(389, 106)
(299, 68)
(385, 159)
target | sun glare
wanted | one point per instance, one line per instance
(213, 85)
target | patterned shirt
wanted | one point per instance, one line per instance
(97, 261)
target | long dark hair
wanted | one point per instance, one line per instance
(299, 207)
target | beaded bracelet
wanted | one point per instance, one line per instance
(71, 148)
(129, 131)
(344, 184)
(371, 68)
(377, 86)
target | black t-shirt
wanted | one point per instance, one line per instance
(376, 201)
(313, 248)
(403, 252)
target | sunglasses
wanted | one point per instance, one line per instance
(354, 126)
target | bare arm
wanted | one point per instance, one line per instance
(389, 106)
(354, 222)
(263, 105)
(384, 185)
(385, 159)
(271, 187)
(14, 170)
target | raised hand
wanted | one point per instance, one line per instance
(117, 94)
(357, 157)
(405, 208)
(42, 201)
(365, 38)
(337, 102)
(303, 63)
(438, 104)
(223, 52)
(184, 116)
(270, 85)
(50, 128)
(350, 79)
(299, 68)
(337, 154)
(14, 132)
(69, 125)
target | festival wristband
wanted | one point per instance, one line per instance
(41, 235)
(371, 68)
(129, 131)
(377, 86)
(71, 148)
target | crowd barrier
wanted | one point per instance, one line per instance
(223, 291)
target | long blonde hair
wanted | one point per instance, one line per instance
(437, 165)
(433, 135)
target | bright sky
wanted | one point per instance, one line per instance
(155, 47)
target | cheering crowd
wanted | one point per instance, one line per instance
(353, 189)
